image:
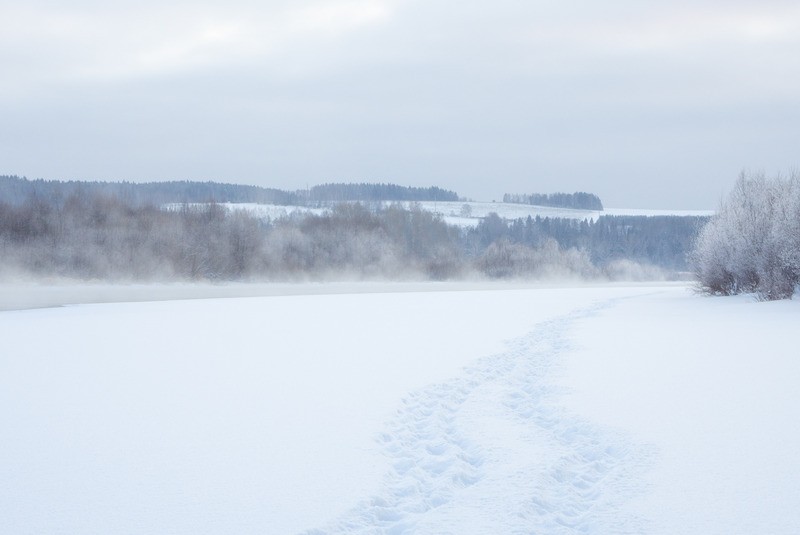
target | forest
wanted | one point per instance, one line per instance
(91, 234)
(366, 192)
(662, 241)
(15, 190)
(122, 231)
(578, 200)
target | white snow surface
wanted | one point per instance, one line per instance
(451, 211)
(640, 409)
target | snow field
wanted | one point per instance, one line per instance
(492, 452)
(571, 410)
(256, 414)
(451, 211)
(713, 383)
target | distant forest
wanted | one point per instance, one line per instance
(578, 200)
(662, 241)
(15, 190)
(377, 192)
(87, 232)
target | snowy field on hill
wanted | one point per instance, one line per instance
(452, 211)
(611, 409)
(454, 214)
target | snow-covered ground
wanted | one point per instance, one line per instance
(640, 409)
(454, 213)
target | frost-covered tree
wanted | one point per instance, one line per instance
(504, 259)
(752, 244)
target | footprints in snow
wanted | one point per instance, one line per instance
(491, 451)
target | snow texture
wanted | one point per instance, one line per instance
(451, 211)
(493, 448)
(640, 409)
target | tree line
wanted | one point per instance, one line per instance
(98, 237)
(92, 236)
(578, 200)
(662, 241)
(82, 231)
(16, 190)
(369, 192)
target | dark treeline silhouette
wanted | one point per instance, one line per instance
(15, 190)
(577, 200)
(377, 192)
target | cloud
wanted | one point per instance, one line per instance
(471, 95)
(91, 44)
(679, 30)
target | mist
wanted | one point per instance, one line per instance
(85, 234)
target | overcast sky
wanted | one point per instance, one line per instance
(648, 104)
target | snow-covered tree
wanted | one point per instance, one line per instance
(752, 244)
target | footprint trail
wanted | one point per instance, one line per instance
(491, 451)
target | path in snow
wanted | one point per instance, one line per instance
(493, 452)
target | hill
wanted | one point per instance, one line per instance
(15, 190)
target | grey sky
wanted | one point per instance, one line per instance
(647, 104)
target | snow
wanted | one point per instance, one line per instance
(499, 409)
(712, 382)
(451, 211)
(655, 212)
